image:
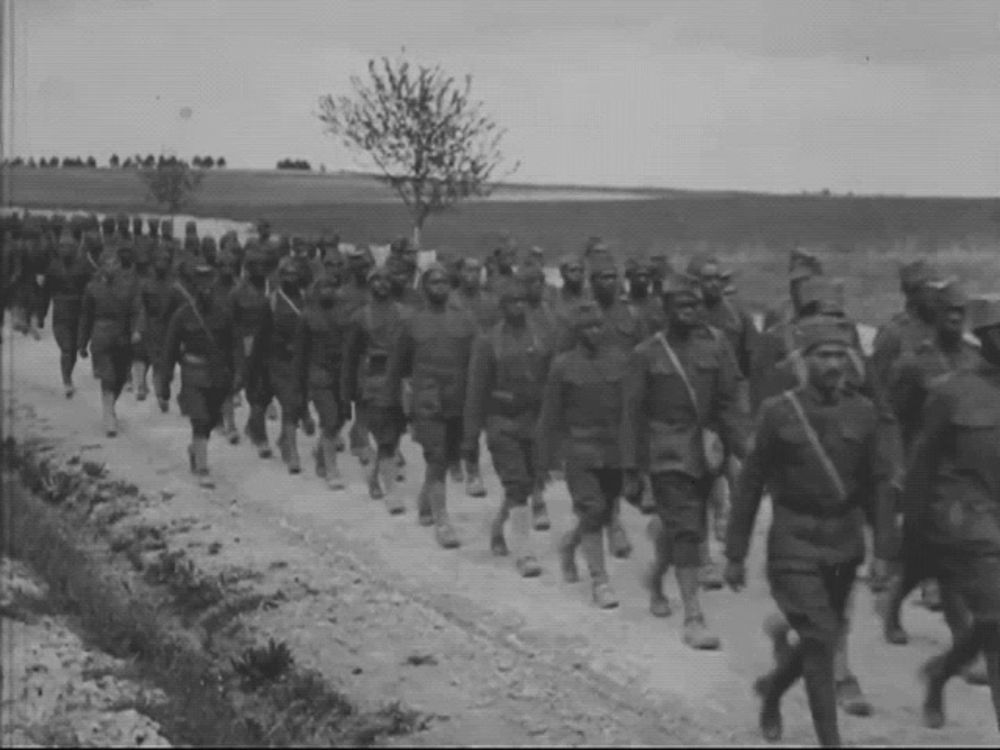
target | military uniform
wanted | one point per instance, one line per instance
(156, 293)
(507, 377)
(201, 337)
(433, 348)
(249, 302)
(582, 414)
(816, 539)
(66, 280)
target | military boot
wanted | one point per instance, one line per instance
(374, 476)
(68, 387)
(455, 472)
(930, 596)
(709, 574)
(387, 472)
(719, 504)
(618, 543)
(520, 527)
(272, 412)
(400, 467)
(933, 676)
(539, 513)
(498, 544)
(290, 448)
(319, 460)
(308, 425)
(256, 431)
(229, 421)
(198, 451)
(850, 698)
(567, 554)
(328, 449)
(892, 628)
(473, 482)
(592, 546)
(696, 632)
(425, 516)
(109, 418)
(443, 530)
(139, 378)
(659, 605)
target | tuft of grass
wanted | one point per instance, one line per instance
(260, 665)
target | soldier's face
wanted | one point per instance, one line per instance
(436, 286)
(515, 308)
(951, 322)
(470, 275)
(590, 334)
(379, 286)
(605, 284)
(573, 275)
(639, 281)
(334, 268)
(827, 364)
(711, 282)
(684, 310)
(535, 289)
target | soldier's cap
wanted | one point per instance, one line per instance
(254, 254)
(798, 256)
(67, 241)
(916, 274)
(399, 245)
(509, 288)
(166, 224)
(208, 242)
(434, 267)
(202, 269)
(161, 254)
(805, 267)
(537, 252)
(570, 259)
(225, 257)
(823, 329)
(949, 294)
(190, 227)
(263, 224)
(636, 264)
(122, 219)
(288, 265)
(530, 272)
(696, 266)
(983, 313)
(594, 245)
(681, 285)
(602, 263)
(108, 222)
(586, 314)
(470, 261)
(826, 293)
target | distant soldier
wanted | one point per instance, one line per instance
(263, 231)
(250, 300)
(66, 279)
(581, 411)
(191, 239)
(38, 256)
(166, 230)
(504, 263)
(509, 366)
(681, 416)
(109, 321)
(318, 354)
(433, 347)
(227, 275)
(818, 451)
(401, 270)
(952, 507)
(123, 227)
(801, 265)
(153, 227)
(108, 230)
(372, 335)
(648, 307)
(201, 338)
(661, 271)
(272, 360)
(209, 251)
(137, 226)
(155, 295)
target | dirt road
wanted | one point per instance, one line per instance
(375, 605)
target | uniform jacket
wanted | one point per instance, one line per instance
(899, 336)
(432, 347)
(372, 333)
(661, 430)
(952, 491)
(66, 283)
(208, 350)
(738, 326)
(110, 313)
(482, 305)
(273, 348)
(507, 380)
(650, 310)
(811, 524)
(319, 347)
(582, 405)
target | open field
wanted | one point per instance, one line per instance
(861, 239)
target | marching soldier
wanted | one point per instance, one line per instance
(167, 232)
(137, 226)
(645, 306)
(153, 227)
(156, 293)
(817, 448)
(509, 366)
(573, 291)
(681, 415)
(952, 507)
(123, 228)
(433, 348)
(353, 295)
(581, 411)
(660, 272)
(201, 337)
(319, 347)
(67, 278)
(249, 302)
(272, 366)
(364, 370)
(108, 326)
(227, 274)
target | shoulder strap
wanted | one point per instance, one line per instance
(680, 371)
(821, 454)
(197, 314)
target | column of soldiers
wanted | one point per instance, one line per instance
(642, 392)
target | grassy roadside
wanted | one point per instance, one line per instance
(137, 599)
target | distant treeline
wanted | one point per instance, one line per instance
(138, 161)
(300, 164)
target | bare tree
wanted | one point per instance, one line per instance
(429, 139)
(171, 184)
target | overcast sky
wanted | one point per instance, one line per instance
(887, 96)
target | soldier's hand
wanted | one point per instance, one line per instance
(633, 487)
(83, 352)
(735, 575)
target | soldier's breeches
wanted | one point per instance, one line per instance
(513, 460)
(256, 424)
(441, 439)
(328, 407)
(593, 492)
(385, 424)
(112, 366)
(289, 395)
(681, 503)
(65, 335)
(813, 598)
(975, 578)
(203, 407)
